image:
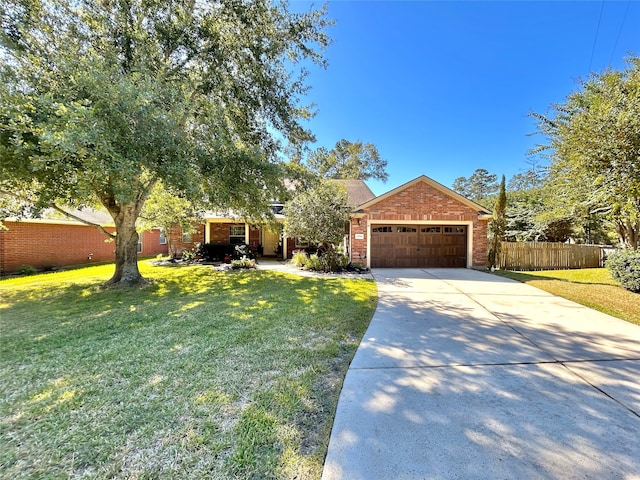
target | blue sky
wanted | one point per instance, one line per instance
(445, 87)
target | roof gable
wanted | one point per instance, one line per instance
(429, 181)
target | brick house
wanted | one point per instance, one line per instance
(419, 224)
(52, 243)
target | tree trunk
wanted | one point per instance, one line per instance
(127, 272)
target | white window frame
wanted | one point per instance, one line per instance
(237, 235)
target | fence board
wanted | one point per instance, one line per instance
(549, 256)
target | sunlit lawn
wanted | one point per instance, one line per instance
(201, 374)
(592, 287)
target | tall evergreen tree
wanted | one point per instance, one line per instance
(498, 225)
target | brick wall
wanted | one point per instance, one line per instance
(359, 246)
(421, 202)
(44, 245)
(177, 246)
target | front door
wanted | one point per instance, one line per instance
(270, 241)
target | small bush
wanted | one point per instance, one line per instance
(331, 261)
(243, 262)
(26, 270)
(314, 263)
(624, 266)
(300, 258)
(190, 255)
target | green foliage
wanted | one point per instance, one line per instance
(498, 225)
(330, 261)
(594, 140)
(315, 263)
(318, 214)
(478, 187)
(26, 269)
(100, 103)
(299, 258)
(348, 160)
(190, 255)
(243, 263)
(624, 266)
(166, 208)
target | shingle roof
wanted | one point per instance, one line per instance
(357, 191)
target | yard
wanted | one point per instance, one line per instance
(201, 374)
(592, 287)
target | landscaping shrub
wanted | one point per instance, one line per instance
(335, 261)
(243, 262)
(624, 266)
(314, 263)
(300, 258)
(331, 261)
(217, 252)
(190, 255)
(26, 270)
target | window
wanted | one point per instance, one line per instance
(382, 230)
(430, 230)
(139, 243)
(163, 238)
(453, 229)
(277, 209)
(236, 234)
(407, 230)
(186, 238)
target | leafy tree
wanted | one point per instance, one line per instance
(594, 140)
(318, 214)
(478, 187)
(498, 225)
(348, 161)
(533, 177)
(100, 101)
(169, 210)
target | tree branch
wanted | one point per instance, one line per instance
(55, 207)
(82, 220)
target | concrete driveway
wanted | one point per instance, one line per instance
(466, 375)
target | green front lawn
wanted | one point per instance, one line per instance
(201, 374)
(592, 287)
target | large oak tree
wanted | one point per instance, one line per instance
(100, 101)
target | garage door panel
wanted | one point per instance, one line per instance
(425, 246)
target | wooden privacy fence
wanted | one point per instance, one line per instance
(549, 256)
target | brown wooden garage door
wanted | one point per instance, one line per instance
(418, 246)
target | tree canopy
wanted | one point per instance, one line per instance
(348, 161)
(478, 187)
(169, 210)
(100, 101)
(594, 145)
(318, 214)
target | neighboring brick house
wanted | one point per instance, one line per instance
(52, 243)
(419, 224)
